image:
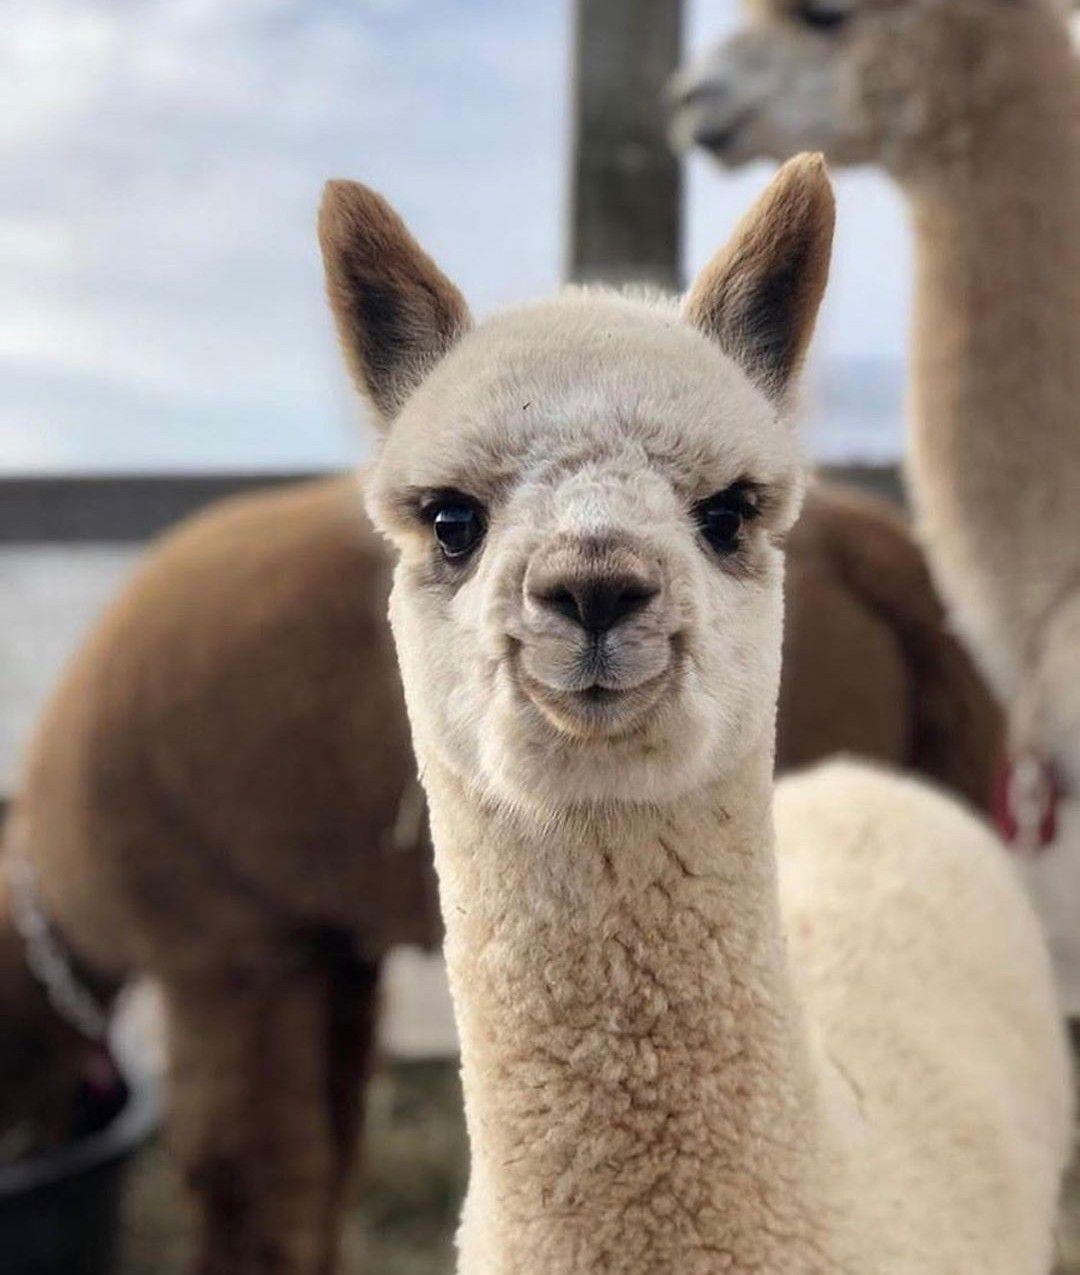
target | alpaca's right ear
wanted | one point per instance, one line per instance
(758, 298)
(397, 314)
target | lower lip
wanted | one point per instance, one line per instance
(596, 710)
(720, 141)
(716, 142)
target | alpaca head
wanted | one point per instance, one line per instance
(893, 82)
(587, 496)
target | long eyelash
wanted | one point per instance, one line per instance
(749, 495)
(423, 504)
(753, 497)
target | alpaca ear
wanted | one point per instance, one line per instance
(396, 313)
(759, 296)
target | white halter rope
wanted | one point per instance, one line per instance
(1031, 790)
(1031, 797)
(47, 956)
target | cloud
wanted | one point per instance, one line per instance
(161, 176)
(162, 160)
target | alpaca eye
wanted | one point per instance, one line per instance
(721, 516)
(457, 525)
(823, 16)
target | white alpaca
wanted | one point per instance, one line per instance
(674, 1059)
(973, 107)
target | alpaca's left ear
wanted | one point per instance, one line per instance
(396, 312)
(758, 298)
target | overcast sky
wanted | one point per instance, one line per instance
(160, 297)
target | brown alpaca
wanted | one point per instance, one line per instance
(211, 792)
(973, 108)
(209, 800)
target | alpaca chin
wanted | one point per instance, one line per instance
(530, 762)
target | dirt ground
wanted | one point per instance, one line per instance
(407, 1200)
(416, 1160)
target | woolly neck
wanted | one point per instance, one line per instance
(639, 1090)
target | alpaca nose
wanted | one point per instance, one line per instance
(597, 603)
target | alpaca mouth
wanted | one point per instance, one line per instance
(598, 711)
(719, 138)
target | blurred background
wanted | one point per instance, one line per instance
(161, 297)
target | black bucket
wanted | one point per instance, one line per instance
(60, 1211)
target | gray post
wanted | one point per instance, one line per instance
(626, 198)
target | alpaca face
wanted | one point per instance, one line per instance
(892, 82)
(610, 629)
(587, 496)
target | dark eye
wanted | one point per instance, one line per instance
(823, 16)
(458, 525)
(721, 516)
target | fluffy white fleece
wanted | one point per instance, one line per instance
(922, 968)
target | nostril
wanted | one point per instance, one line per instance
(559, 598)
(598, 605)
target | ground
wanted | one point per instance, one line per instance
(407, 1201)
(416, 1160)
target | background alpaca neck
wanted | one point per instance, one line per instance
(638, 1091)
(995, 455)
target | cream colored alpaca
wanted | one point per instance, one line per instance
(675, 1062)
(973, 107)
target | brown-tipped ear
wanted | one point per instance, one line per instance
(397, 314)
(759, 296)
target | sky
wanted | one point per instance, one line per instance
(160, 292)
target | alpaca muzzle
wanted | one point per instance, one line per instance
(594, 612)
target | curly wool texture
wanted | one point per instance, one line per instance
(669, 1065)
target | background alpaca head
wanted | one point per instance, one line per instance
(893, 82)
(587, 495)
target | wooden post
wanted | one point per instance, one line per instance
(626, 199)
